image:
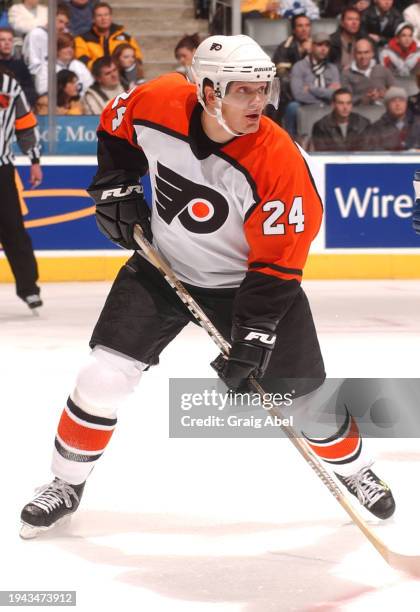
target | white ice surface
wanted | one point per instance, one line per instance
(202, 525)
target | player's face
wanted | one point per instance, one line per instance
(6, 43)
(102, 18)
(243, 105)
(342, 106)
(184, 56)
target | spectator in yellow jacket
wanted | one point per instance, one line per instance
(103, 37)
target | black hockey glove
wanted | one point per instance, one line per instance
(249, 355)
(118, 209)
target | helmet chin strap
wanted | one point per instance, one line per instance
(218, 115)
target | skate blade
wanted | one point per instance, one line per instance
(29, 532)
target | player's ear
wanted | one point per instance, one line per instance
(209, 95)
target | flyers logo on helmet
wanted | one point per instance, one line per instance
(201, 210)
(4, 101)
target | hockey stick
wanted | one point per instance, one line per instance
(406, 563)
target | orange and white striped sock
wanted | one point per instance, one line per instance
(80, 441)
(343, 450)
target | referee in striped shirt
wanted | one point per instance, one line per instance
(16, 118)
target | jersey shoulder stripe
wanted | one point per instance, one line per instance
(165, 103)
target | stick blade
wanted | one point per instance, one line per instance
(409, 564)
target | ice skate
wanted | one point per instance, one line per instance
(34, 302)
(52, 504)
(374, 494)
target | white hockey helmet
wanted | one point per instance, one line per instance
(224, 59)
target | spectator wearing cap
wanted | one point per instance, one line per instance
(401, 55)
(412, 15)
(398, 129)
(341, 130)
(81, 15)
(367, 80)
(313, 79)
(380, 21)
(344, 38)
(27, 15)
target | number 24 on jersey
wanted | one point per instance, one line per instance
(295, 217)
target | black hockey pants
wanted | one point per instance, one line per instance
(16, 242)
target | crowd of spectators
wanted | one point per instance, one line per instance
(96, 58)
(352, 89)
(345, 90)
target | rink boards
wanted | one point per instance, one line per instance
(366, 231)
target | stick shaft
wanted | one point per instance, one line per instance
(298, 442)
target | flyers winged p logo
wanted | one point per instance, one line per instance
(199, 208)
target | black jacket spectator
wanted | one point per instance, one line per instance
(398, 129)
(327, 135)
(295, 47)
(385, 136)
(16, 67)
(343, 39)
(288, 52)
(341, 130)
(19, 70)
(381, 25)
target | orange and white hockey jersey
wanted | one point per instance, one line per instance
(221, 212)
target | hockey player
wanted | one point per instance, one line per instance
(234, 212)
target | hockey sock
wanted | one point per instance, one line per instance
(80, 441)
(104, 383)
(343, 451)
